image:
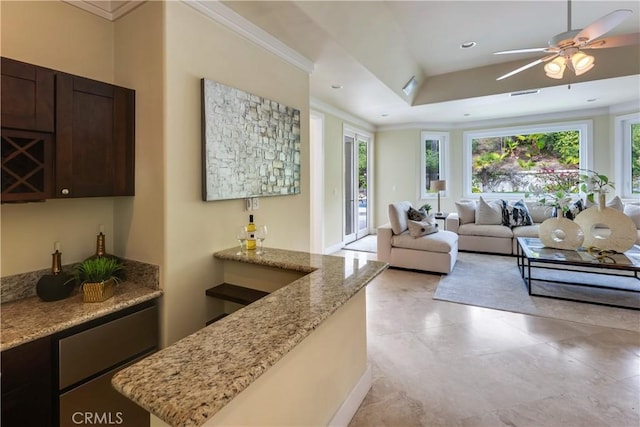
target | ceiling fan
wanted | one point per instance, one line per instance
(566, 49)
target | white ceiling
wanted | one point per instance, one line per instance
(372, 48)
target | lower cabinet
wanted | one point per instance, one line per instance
(65, 379)
(27, 384)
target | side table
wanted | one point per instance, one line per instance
(442, 216)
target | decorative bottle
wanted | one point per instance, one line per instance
(251, 234)
(102, 252)
(57, 285)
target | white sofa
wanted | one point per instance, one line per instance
(500, 239)
(435, 252)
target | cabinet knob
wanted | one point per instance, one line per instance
(65, 191)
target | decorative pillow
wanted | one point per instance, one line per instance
(489, 213)
(421, 228)
(539, 213)
(575, 208)
(398, 216)
(466, 211)
(633, 211)
(416, 215)
(615, 203)
(516, 214)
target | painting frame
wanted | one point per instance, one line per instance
(250, 145)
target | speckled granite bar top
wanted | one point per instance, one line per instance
(30, 318)
(186, 383)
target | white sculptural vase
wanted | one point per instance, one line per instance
(561, 233)
(606, 228)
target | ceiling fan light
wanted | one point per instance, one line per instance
(555, 68)
(582, 62)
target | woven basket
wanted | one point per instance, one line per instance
(98, 292)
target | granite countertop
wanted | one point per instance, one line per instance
(28, 319)
(188, 382)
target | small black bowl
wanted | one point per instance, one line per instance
(54, 287)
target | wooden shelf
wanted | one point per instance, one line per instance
(215, 319)
(235, 293)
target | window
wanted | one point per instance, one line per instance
(434, 150)
(510, 160)
(627, 137)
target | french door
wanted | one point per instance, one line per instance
(357, 200)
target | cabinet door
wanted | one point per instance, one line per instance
(27, 165)
(94, 138)
(27, 393)
(27, 96)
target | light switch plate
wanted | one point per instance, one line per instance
(254, 203)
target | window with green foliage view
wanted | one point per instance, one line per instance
(516, 160)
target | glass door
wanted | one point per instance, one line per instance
(356, 186)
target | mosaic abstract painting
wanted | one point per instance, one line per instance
(251, 145)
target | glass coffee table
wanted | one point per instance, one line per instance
(596, 277)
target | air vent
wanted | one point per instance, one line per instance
(525, 92)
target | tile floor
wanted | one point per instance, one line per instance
(436, 363)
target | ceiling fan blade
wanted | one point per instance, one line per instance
(602, 26)
(529, 65)
(614, 41)
(529, 50)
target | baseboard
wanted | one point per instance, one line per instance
(335, 248)
(350, 406)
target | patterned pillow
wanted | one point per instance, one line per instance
(516, 214)
(416, 215)
(421, 228)
(574, 209)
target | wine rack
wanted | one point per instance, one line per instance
(26, 165)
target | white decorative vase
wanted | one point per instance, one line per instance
(606, 228)
(560, 233)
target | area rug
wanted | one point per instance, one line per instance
(494, 281)
(366, 244)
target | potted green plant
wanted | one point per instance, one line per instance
(426, 207)
(593, 183)
(98, 277)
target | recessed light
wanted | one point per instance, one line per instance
(467, 45)
(336, 86)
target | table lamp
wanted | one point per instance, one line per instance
(438, 185)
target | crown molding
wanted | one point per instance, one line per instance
(106, 9)
(316, 104)
(240, 25)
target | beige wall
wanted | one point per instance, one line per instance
(139, 58)
(333, 180)
(162, 50)
(398, 157)
(198, 47)
(74, 41)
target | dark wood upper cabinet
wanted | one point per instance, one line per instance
(64, 136)
(27, 96)
(94, 138)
